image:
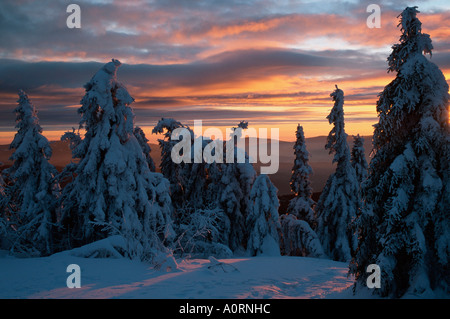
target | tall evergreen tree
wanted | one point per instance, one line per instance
(339, 201)
(404, 224)
(234, 184)
(32, 194)
(301, 205)
(2, 184)
(146, 149)
(358, 158)
(113, 189)
(297, 235)
(196, 189)
(174, 172)
(3, 215)
(262, 221)
(188, 179)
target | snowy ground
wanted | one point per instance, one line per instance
(256, 277)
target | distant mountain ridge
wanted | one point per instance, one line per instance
(320, 160)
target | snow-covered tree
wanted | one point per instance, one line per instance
(113, 189)
(32, 194)
(301, 205)
(174, 172)
(196, 179)
(404, 225)
(229, 197)
(189, 179)
(262, 221)
(339, 201)
(3, 216)
(358, 158)
(233, 184)
(202, 234)
(2, 190)
(2, 184)
(298, 238)
(146, 149)
(200, 186)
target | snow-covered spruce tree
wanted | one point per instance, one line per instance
(404, 224)
(233, 186)
(188, 180)
(262, 221)
(74, 139)
(297, 235)
(146, 149)
(196, 179)
(202, 226)
(2, 184)
(3, 215)
(358, 158)
(113, 189)
(32, 193)
(339, 201)
(298, 238)
(301, 205)
(201, 234)
(174, 172)
(66, 175)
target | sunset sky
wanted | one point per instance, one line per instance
(271, 63)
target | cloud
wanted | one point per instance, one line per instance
(233, 66)
(267, 60)
(168, 32)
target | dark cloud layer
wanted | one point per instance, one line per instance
(16, 74)
(212, 59)
(56, 87)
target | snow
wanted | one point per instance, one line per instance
(232, 278)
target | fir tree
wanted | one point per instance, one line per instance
(188, 179)
(2, 184)
(174, 172)
(201, 221)
(31, 197)
(233, 186)
(298, 238)
(301, 205)
(404, 224)
(202, 234)
(339, 201)
(113, 189)
(262, 220)
(146, 149)
(3, 215)
(2, 190)
(358, 158)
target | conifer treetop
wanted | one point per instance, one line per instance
(412, 40)
(107, 99)
(337, 138)
(27, 123)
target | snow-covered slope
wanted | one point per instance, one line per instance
(255, 277)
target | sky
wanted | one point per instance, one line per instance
(272, 63)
